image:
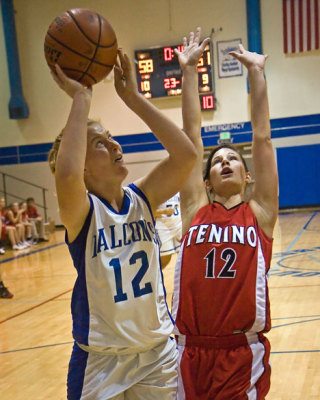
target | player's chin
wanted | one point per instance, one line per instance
(123, 170)
(120, 164)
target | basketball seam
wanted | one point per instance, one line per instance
(95, 52)
(85, 35)
(76, 52)
(79, 70)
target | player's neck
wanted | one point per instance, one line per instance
(229, 202)
(112, 193)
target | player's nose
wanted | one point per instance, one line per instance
(114, 146)
(225, 161)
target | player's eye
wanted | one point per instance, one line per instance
(215, 161)
(100, 143)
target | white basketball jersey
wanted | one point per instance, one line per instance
(119, 300)
(174, 220)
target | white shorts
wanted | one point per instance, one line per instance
(151, 375)
(170, 238)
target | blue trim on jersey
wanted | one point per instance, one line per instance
(77, 368)
(140, 193)
(79, 301)
(164, 290)
(124, 207)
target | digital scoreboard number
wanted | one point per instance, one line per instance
(159, 74)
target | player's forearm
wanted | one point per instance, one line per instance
(191, 112)
(260, 119)
(72, 151)
(168, 133)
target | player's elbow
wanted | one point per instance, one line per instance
(187, 164)
(190, 158)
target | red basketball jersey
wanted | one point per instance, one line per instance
(220, 278)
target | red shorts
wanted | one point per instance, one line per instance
(232, 367)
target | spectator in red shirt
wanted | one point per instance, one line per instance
(13, 216)
(34, 215)
(8, 229)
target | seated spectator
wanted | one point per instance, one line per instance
(14, 215)
(8, 229)
(30, 225)
(34, 215)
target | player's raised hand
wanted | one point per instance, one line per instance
(68, 85)
(192, 49)
(124, 80)
(249, 59)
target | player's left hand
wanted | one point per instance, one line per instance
(249, 59)
(192, 49)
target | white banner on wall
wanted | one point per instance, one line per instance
(228, 66)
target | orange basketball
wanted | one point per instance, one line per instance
(83, 44)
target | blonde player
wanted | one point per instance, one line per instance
(121, 323)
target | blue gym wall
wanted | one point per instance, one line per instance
(299, 176)
(298, 164)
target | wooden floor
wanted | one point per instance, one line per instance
(35, 326)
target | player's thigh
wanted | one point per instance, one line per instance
(241, 373)
(86, 377)
(160, 384)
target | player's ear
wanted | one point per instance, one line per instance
(248, 178)
(208, 186)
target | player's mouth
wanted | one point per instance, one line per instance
(118, 159)
(226, 171)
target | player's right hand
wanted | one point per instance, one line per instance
(249, 59)
(192, 49)
(68, 85)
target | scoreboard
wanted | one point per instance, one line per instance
(159, 74)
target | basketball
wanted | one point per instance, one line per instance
(83, 44)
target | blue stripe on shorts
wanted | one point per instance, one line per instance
(77, 368)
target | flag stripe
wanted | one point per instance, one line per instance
(285, 26)
(316, 23)
(308, 26)
(300, 26)
(293, 31)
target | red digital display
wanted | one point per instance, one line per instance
(168, 54)
(171, 83)
(207, 102)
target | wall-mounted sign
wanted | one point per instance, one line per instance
(227, 65)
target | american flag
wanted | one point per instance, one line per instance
(300, 25)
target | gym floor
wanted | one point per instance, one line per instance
(35, 326)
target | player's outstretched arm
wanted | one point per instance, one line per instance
(70, 161)
(160, 212)
(193, 194)
(265, 194)
(168, 176)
